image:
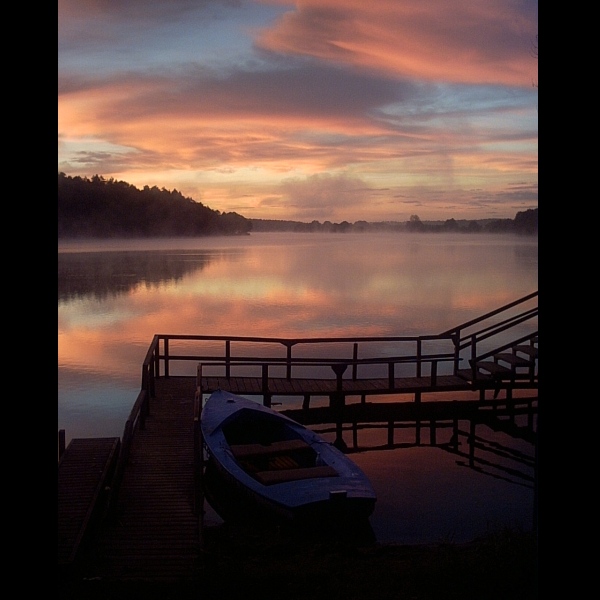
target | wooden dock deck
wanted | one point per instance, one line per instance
(152, 532)
(151, 527)
(84, 470)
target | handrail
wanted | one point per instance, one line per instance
(490, 314)
(154, 356)
(521, 340)
(487, 332)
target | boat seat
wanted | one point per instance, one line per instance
(283, 475)
(281, 447)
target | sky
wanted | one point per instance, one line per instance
(373, 110)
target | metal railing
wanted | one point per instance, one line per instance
(231, 354)
(491, 329)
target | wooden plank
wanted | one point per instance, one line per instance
(83, 472)
(153, 532)
(283, 475)
(513, 359)
(325, 387)
(281, 447)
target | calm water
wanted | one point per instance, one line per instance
(113, 297)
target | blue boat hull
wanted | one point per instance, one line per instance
(279, 467)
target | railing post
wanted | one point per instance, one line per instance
(339, 369)
(146, 386)
(199, 377)
(156, 358)
(474, 355)
(434, 365)
(265, 385)
(198, 460)
(228, 359)
(355, 364)
(144, 410)
(61, 442)
(391, 376)
(166, 344)
(472, 443)
(337, 401)
(419, 357)
(288, 370)
(456, 342)
(151, 376)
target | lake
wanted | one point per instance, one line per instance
(115, 295)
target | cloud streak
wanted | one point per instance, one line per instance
(318, 109)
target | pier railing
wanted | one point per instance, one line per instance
(289, 358)
(349, 357)
(488, 334)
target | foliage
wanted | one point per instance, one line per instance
(99, 207)
(524, 223)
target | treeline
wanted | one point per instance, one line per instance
(525, 222)
(99, 207)
(102, 208)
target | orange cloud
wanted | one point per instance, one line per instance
(459, 41)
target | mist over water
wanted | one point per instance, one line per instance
(114, 296)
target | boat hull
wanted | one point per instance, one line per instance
(263, 462)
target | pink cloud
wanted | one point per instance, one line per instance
(456, 41)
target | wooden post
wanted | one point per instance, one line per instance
(265, 386)
(472, 443)
(199, 376)
(166, 357)
(156, 360)
(143, 410)
(432, 432)
(227, 359)
(336, 402)
(434, 365)
(306, 402)
(288, 369)
(61, 443)
(339, 369)
(390, 433)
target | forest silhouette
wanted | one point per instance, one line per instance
(106, 208)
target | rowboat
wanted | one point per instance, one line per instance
(283, 469)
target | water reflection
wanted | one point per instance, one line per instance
(114, 297)
(105, 274)
(453, 489)
(439, 481)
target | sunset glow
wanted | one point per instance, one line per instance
(306, 109)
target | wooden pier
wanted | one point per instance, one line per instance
(153, 529)
(146, 485)
(85, 469)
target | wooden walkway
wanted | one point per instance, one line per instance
(153, 533)
(84, 470)
(325, 387)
